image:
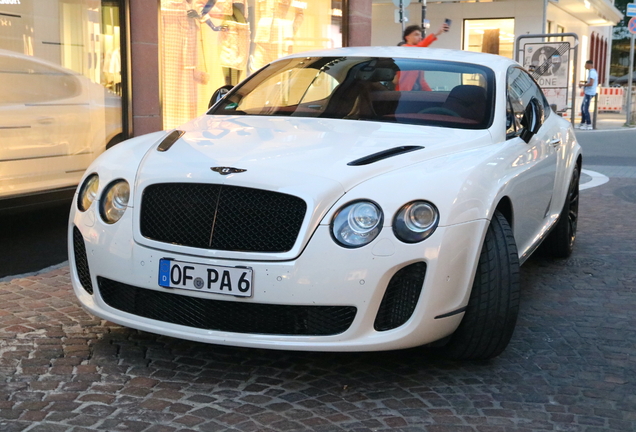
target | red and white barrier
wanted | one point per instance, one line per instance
(610, 99)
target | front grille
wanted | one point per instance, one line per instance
(230, 316)
(81, 261)
(211, 216)
(401, 297)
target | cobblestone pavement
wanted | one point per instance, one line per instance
(571, 365)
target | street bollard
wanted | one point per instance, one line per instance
(595, 111)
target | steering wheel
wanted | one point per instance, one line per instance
(439, 110)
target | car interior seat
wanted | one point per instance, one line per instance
(469, 101)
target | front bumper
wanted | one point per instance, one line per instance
(324, 274)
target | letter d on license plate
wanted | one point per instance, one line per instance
(236, 281)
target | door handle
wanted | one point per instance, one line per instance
(555, 142)
(46, 120)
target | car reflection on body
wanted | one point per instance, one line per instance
(326, 204)
(53, 122)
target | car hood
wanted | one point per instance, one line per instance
(305, 157)
(278, 153)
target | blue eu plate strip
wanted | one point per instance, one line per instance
(164, 273)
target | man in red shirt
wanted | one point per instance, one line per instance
(410, 80)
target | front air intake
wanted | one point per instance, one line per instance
(401, 297)
(229, 316)
(81, 261)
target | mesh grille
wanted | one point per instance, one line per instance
(401, 297)
(81, 261)
(219, 217)
(237, 317)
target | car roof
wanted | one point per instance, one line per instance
(492, 61)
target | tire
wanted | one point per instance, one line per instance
(560, 241)
(491, 314)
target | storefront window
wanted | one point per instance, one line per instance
(208, 44)
(60, 90)
(494, 36)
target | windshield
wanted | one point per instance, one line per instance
(422, 92)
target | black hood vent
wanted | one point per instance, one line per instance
(384, 154)
(170, 139)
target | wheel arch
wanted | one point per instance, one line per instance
(504, 206)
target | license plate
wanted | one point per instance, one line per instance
(236, 281)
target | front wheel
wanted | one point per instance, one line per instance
(491, 314)
(560, 242)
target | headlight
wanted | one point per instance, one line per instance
(415, 221)
(114, 201)
(357, 224)
(88, 192)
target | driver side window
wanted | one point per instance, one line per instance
(521, 89)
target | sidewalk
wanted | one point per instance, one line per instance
(610, 120)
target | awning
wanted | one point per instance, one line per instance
(591, 12)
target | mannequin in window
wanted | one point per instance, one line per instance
(277, 23)
(179, 58)
(234, 38)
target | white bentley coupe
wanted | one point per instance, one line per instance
(354, 199)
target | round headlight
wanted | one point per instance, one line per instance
(114, 201)
(415, 221)
(88, 192)
(357, 224)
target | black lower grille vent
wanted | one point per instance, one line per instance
(231, 316)
(212, 216)
(401, 297)
(81, 261)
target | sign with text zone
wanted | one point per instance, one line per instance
(549, 65)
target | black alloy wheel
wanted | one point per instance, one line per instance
(560, 241)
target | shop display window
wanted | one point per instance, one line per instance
(60, 90)
(208, 44)
(494, 36)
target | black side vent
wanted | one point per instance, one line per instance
(384, 154)
(401, 297)
(81, 261)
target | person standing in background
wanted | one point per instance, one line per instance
(589, 91)
(414, 80)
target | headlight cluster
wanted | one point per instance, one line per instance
(415, 221)
(358, 223)
(88, 192)
(114, 199)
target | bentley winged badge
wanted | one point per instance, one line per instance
(227, 170)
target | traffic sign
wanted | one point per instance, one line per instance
(631, 25)
(405, 3)
(631, 9)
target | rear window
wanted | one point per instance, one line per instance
(422, 92)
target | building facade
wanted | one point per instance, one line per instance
(493, 25)
(159, 61)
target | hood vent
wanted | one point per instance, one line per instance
(170, 139)
(384, 154)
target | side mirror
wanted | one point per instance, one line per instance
(219, 94)
(532, 119)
